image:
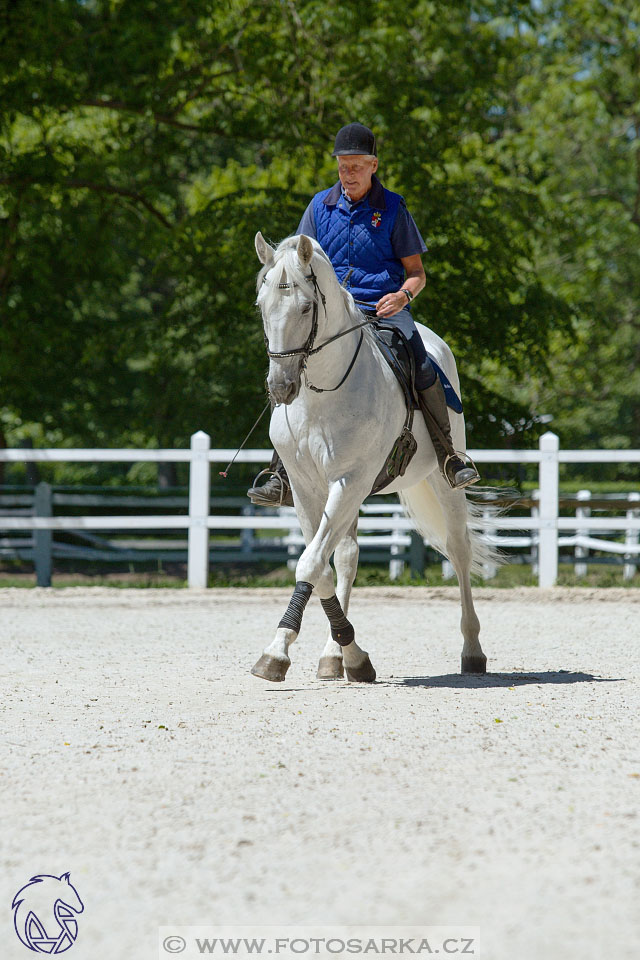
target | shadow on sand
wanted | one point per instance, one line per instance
(466, 681)
(456, 681)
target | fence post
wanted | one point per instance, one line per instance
(416, 554)
(247, 535)
(535, 535)
(489, 570)
(631, 539)
(396, 566)
(42, 539)
(580, 569)
(448, 570)
(549, 481)
(199, 479)
(292, 538)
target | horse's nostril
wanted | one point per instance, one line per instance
(284, 392)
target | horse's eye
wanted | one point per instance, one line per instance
(306, 308)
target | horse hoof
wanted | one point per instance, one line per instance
(271, 668)
(476, 664)
(362, 674)
(330, 668)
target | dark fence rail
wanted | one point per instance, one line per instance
(43, 547)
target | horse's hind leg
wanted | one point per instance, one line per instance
(345, 561)
(458, 547)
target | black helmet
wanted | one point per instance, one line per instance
(355, 139)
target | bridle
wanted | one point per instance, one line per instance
(308, 349)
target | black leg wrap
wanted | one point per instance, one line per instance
(292, 619)
(341, 630)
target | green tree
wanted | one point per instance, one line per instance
(574, 133)
(142, 146)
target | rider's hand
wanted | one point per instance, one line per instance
(391, 303)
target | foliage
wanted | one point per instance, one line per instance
(142, 146)
(576, 122)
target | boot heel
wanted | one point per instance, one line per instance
(463, 476)
(276, 492)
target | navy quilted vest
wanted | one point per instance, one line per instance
(360, 239)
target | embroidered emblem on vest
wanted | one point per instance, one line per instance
(376, 219)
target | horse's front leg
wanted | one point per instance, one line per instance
(345, 561)
(313, 571)
(275, 660)
(339, 518)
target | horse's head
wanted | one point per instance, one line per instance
(47, 889)
(288, 295)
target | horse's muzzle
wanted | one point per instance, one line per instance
(283, 391)
(284, 386)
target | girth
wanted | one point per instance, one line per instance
(396, 350)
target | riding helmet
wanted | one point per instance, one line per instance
(355, 139)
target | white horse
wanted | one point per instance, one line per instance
(339, 410)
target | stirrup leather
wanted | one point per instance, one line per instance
(465, 458)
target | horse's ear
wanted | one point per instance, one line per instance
(263, 249)
(305, 250)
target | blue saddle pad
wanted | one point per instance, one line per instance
(453, 400)
(392, 341)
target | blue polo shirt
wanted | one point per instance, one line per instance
(405, 238)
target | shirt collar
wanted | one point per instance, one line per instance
(375, 197)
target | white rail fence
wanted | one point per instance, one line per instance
(544, 525)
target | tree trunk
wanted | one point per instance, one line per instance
(167, 475)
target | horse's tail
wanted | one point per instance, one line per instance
(422, 504)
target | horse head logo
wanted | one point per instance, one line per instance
(44, 913)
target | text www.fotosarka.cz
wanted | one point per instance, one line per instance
(290, 942)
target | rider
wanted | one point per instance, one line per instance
(375, 248)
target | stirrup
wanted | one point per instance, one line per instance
(464, 458)
(284, 488)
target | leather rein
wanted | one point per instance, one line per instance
(308, 349)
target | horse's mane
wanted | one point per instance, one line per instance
(285, 255)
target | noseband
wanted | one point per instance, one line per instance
(308, 349)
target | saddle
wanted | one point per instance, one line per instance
(394, 347)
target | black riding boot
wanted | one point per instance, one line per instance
(433, 404)
(276, 492)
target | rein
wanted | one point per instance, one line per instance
(308, 349)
